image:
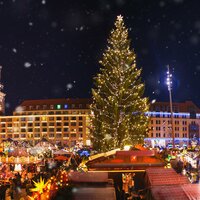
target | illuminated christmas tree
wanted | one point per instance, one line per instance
(118, 104)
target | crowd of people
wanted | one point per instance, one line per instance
(17, 184)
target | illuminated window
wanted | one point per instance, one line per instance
(58, 106)
(44, 118)
(44, 107)
(65, 106)
(52, 107)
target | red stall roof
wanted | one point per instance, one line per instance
(163, 176)
(136, 153)
(176, 192)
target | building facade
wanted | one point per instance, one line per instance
(186, 122)
(64, 121)
(67, 121)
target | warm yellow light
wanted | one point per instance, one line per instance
(39, 186)
(127, 147)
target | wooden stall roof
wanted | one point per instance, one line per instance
(176, 192)
(164, 176)
(136, 153)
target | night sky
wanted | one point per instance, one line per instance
(51, 48)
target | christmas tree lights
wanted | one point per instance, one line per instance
(118, 104)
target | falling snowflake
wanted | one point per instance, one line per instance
(14, 50)
(7, 105)
(178, 1)
(197, 24)
(81, 28)
(69, 86)
(54, 24)
(43, 2)
(162, 4)
(153, 101)
(194, 39)
(198, 67)
(27, 64)
(30, 23)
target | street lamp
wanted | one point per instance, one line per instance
(169, 84)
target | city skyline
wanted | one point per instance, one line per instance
(51, 49)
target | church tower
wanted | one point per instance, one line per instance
(2, 97)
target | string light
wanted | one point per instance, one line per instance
(119, 91)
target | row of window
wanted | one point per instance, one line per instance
(43, 118)
(60, 112)
(164, 108)
(158, 128)
(43, 124)
(168, 122)
(38, 135)
(177, 135)
(24, 130)
(57, 106)
(158, 115)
